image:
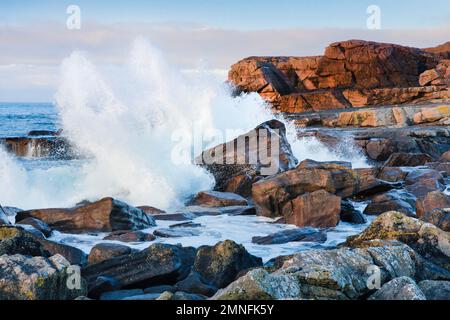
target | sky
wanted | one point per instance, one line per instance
(34, 37)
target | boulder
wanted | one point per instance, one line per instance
(37, 278)
(407, 160)
(15, 240)
(402, 288)
(250, 154)
(258, 284)
(121, 294)
(432, 114)
(318, 209)
(388, 202)
(151, 210)
(350, 214)
(426, 239)
(3, 217)
(392, 174)
(195, 284)
(218, 199)
(435, 290)
(38, 225)
(105, 251)
(158, 263)
(432, 200)
(106, 215)
(240, 184)
(219, 265)
(176, 232)
(292, 235)
(445, 157)
(439, 217)
(422, 181)
(160, 289)
(127, 236)
(74, 255)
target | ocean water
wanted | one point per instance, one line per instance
(128, 126)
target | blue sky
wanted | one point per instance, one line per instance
(34, 38)
(235, 14)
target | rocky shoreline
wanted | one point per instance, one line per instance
(401, 253)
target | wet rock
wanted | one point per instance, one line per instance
(445, 157)
(106, 215)
(151, 210)
(159, 263)
(422, 181)
(220, 264)
(181, 296)
(38, 225)
(238, 157)
(194, 284)
(426, 239)
(271, 194)
(258, 284)
(14, 240)
(388, 202)
(218, 199)
(240, 184)
(3, 218)
(36, 278)
(160, 289)
(74, 255)
(350, 214)
(143, 297)
(105, 251)
(176, 233)
(392, 174)
(407, 160)
(435, 290)
(432, 114)
(432, 200)
(188, 224)
(292, 235)
(439, 217)
(402, 288)
(127, 236)
(121, 294)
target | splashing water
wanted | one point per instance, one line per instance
(125, 123)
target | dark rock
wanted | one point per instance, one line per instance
(159, 263)
(293, 235)
(392, 174)
(194, 284)
(189, 224)
(439, 217)
(121, 294)
(176, 233)
(407, 160)
(422, 181)
(388, 202)
(143, 297)
(74, 255)
(402, 288)
(106, 215)
(127, 236)
(218, 199)
(105, 251)
(15, 240)
(151, 210)
(220, 264)
(3, 217)
(160, 289)
(350, 214)
(38, 225)
(435, 290)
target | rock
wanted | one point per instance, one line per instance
(432, 114)
(350, 214)
(238, 157)
(74, 255)
(426, 239)
(392, 174)
(14, 240)
(435, 290)
(127, 236)
(219, 265)
(121, 294)
(158, 263)
(151, 210)
(407, 160)
(271, 194)
(258, 284)
(432, 200)
(105, 251)
(380, 149)
(188, 224)
(181, 296)
(402, 288)
(143, 297)
(106, 215)
(240, 184)
(3, 217)
(445, 157)
(318, 209)
(160, 289)
(194, 284)
(218, 199)
(292, 235)
(49, 147)
(176, 233)
(439, 217)
(38, 225)
(36, 278)
(422, 181)
(388, 202)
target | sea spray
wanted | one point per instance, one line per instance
(124, 125)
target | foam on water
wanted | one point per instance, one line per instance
(129, 123)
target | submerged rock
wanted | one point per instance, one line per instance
(106, 215)
(294, 235)
(36, 278)
(219, 265)
(402, 288)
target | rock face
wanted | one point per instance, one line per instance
(262, 151)
(350, 73)
(219, 265)
(218, 199)
(36, 278)
(106, 215)
(403, 288)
